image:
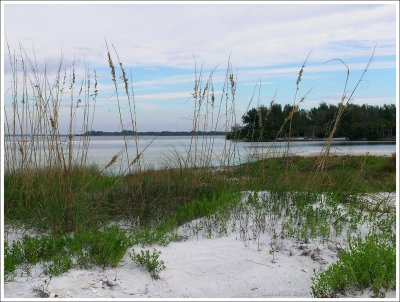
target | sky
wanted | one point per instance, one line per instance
(162, 46)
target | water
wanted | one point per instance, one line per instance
(211, 150)
(163, 151)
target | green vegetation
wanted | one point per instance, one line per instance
(153, 196)
(95, 199)
(63, 252)
(358, 122)
(149, 261)
(341, 174)
(104, 248)
(369, 262)
(304, 216)
(51, 200)
(48, 186)
(295, 203)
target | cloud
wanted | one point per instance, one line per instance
(148, 107)
(323, 67)
(159, 43)
(166, 81)
(163, 96)
(360, 100)
(169, 35)
(143, 98)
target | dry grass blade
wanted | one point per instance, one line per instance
(321, 162)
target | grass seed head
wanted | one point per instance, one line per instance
(112, 67)
(112, 161)
(299, 77)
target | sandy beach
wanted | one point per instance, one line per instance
(197, 266)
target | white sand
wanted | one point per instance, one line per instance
(218, 267)
(197, 267)
(205, 268)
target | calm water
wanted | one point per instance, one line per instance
(211, 150)
(164, 151)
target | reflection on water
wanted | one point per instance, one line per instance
(211, 150)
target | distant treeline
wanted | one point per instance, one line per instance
(152, 133)
(358, 122)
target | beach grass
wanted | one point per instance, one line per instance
(37, 198)
(49, 188)
(342, 174)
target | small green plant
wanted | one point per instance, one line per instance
(272, 247)
(103, 248)
(150, 261)
(369, 262)
(149, 235)
(12, 258)
(59, 253)
(58, 265)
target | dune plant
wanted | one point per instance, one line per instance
(149, 261)
(368, 263)
(59, 253)
(50, 187)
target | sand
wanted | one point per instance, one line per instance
(196, 267)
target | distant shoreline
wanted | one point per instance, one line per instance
(152, 133)
(202, 133)
(317, 154)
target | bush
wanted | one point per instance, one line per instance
(368, 263)
(149, 261)
(12, 258)
(102, 248)
(58, 265)
(62, 252)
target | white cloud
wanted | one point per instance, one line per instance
(148, 107)
(358, 100)
(156, 36)
(159, 82)
(258, 34)
(163, 96)
(323, 67)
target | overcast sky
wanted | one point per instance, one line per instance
(158, 43)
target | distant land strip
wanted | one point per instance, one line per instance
(151, 133)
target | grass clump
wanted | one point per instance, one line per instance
(206, 207)
(59, 253)
(59, 264)
(150, 261)
(31, 250)
(369, 262)
(39, 199)
(352, 174)
(42, 198)
(165, 231)
(104, 249)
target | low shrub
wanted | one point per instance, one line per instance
(102, 248)
(58, 264)
(150, 261)
(369, 262)
(62, 252)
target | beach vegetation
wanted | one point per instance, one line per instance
(91, 215)
(369, 262)
(150, 261)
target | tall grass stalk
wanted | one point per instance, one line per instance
(66, 190)
(345, 100)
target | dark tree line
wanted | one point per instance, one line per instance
(358, 122)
